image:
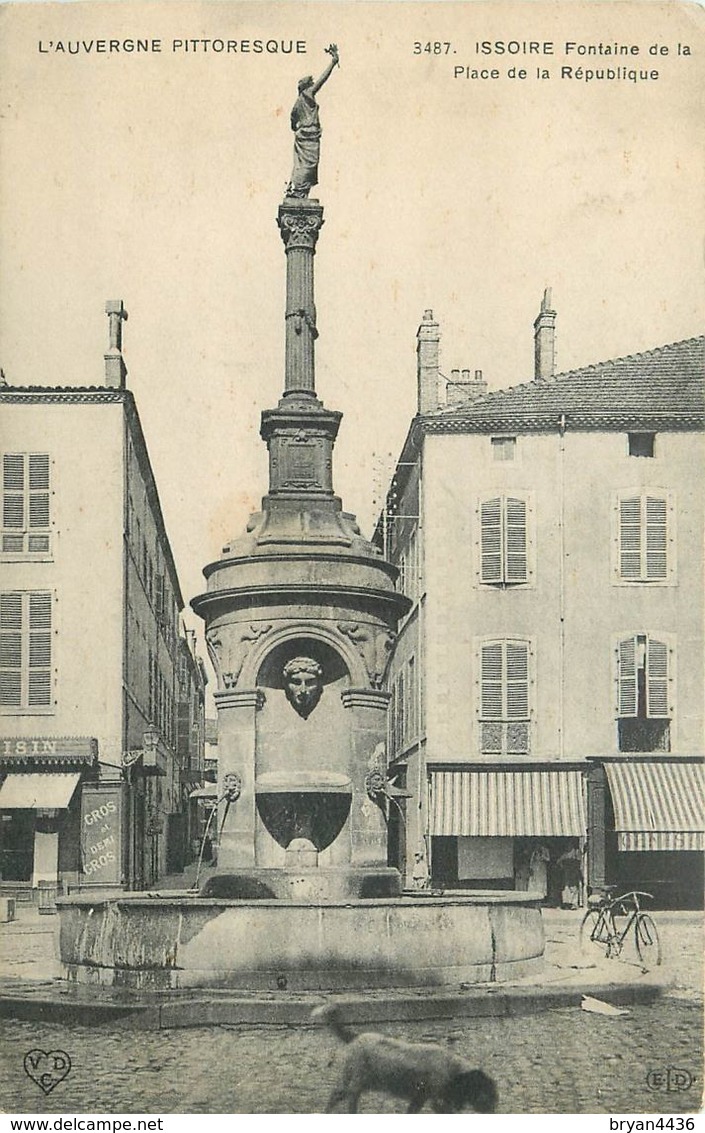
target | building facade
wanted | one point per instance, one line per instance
(101, 697)
(547, 712)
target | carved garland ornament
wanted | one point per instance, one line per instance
(374, 646)
(229, 659)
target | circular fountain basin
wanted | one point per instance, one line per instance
(179, 941)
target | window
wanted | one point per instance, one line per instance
(25, 650)
(504, 698)
(503, 448)
(641, 444)
(400, 713)
(504, 541)
(645, 523)
(644, 694)
(411, 714)
(401, 577)
(26, 525)
(408, 567)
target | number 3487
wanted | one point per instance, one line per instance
(435, 48)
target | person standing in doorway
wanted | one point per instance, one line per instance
(538, 871)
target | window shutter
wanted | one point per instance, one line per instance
(656, 679)
(412, 693)
(39, 690)
(13, 490)
(626, 679)
(11, 650)
(491, 540)
(515, 540)
(517, 681)
(630, 538)
(656, 538)
(491, 669)
(393, 720)
(26, 503)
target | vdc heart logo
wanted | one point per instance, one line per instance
(47, 1067)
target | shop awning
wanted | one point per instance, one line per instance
(507, 803)
(658, 806)
(207, 794)
(26, 792)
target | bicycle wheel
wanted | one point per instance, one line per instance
(648, 945)
(591, 926)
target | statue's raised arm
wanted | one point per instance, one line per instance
(307, 130)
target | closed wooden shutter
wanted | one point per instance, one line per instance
(517, 684)
(11, 650)
(491, 539)
(491, 678)
(26, 502)
(39, 661)
(504, 540)
(626, 678)
(656, 565)
(26, 649)
(504, 700)
(516, 540)
(630, 538)
(657, 679)
(643, 538)
(13, 490)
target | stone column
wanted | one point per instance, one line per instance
(368, 828)
(300, 222)
(236, 756)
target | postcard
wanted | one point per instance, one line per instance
(351, 615)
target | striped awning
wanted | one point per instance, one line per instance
(658, 806)
(507, 803)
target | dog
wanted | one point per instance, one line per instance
(420, 1073)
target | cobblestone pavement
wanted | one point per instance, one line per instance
(560, 1061)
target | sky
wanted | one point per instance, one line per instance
(155, 178)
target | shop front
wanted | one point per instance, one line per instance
(509, 828)
(647, 827)
(43, 779)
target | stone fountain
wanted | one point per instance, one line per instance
(301, 614)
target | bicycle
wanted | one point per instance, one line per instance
(599, 926)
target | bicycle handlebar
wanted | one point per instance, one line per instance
(608, 898)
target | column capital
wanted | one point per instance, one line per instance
(366, 698)
(299, 222)
(243, 698)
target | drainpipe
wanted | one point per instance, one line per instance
(421, 777)
(561, 583)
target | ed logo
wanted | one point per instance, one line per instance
(47, 1068)
(670, 1080)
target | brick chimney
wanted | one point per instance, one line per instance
(428, 338)
(115, 368)
(545, 340)
(462, 389)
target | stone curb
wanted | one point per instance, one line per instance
(232, 1010)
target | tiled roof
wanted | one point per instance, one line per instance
(11, 393)
(659, 388)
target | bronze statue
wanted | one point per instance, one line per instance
(303, 684)
(307, 130)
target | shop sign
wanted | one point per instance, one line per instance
(64, 747)
(101, 821)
